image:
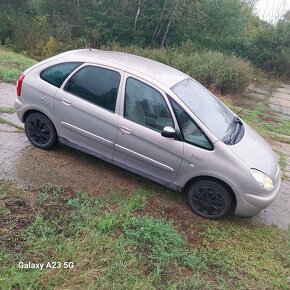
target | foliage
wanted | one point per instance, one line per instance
(44, 28)
(213, 69)
(270, 49)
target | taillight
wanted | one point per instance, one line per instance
(19, 85)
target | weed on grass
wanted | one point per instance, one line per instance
(160, 242)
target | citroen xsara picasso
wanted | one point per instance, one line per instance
(153, 120)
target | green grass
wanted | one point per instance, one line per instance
(7, 110)
(114, 244)
(262, 121)
(248, 254)
(3, 121)
(13, 64)
(259, 116)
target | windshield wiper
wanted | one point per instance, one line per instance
(233, 130)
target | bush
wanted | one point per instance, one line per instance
(215, 70)
(268, 49)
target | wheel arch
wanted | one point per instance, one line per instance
(205, 177)
(31, 111)
(52, 137)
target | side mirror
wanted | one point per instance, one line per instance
(169, 132)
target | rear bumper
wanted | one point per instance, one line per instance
(249, 204)
(20, 108)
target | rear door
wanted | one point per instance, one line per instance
(86, 108)
(145, 111)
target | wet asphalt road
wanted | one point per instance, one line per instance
(30, 167)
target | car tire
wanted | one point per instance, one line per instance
(210, 199)
(40, 131)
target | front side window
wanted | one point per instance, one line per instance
(146, 106)
(96, 85)
(56, 74)
(205, 106)
(190, 131)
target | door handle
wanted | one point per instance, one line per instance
(125, 130)
(66, 102)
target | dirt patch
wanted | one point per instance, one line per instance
(63, 166)
(242, 101)
(21, 207)
(267, 118)
(20, 213)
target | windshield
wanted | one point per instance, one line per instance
(215, 116)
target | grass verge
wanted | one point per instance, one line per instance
(114, 243)
(13, 64)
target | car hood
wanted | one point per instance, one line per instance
(256, 152)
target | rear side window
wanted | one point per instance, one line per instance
(57, 73)
(96, 85)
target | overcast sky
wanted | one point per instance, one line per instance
(271, 10)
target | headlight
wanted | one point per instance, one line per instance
(262, 179)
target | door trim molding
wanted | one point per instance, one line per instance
(87, 134)
(143, 158)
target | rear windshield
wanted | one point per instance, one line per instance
(56, 74)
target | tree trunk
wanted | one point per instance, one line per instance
(165, 33)
(157, 28)
(137, 15)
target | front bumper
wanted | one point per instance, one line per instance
(249, 204)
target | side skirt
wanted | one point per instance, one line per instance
(119, 164)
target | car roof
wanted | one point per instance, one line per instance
(162, 73)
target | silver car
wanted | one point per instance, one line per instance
(153, 120)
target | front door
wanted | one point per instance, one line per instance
(139, 144)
